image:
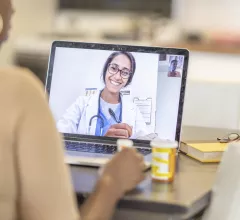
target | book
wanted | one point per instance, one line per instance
(206, 152)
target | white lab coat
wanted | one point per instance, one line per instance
(77, 116)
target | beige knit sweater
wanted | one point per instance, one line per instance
(34, 181)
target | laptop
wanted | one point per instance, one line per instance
(99, 93)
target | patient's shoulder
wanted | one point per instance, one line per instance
(18, 75)
(16, 79)
(20, 89)
(20, 92)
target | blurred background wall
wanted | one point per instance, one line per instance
(34, 16)
(31, 17)
(207, 14)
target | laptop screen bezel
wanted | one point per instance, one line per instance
(117, 47)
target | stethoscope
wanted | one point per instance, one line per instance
(111, 112)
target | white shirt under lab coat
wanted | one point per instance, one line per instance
(77, 116)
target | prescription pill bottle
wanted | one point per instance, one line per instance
(163, 160)
(122, 143)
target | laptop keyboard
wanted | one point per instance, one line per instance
(98, 148)
(144, 151)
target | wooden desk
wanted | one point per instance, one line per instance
(189, 194)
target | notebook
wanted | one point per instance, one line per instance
(204, 152)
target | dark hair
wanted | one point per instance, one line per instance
(174, 61)
(115, 54)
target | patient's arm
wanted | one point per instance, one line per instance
(101, 204)
(44, 190)
(44, 187)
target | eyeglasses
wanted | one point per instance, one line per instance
(228, 138)
(114, 69)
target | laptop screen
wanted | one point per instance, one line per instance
(117, 93)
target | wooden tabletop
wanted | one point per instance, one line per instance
(191, 133)
(187, 195)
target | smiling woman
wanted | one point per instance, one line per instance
(111, 120)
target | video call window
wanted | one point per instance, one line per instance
(92, 91)
(95, 90)
(175, 66)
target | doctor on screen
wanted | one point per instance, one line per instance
(107, 112)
